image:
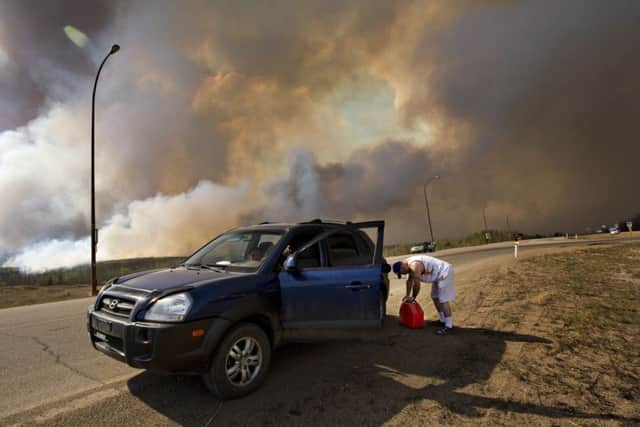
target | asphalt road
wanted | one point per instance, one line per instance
(46, 356)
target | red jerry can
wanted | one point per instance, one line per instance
(411, 315)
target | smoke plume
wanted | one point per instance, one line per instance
(216, 114)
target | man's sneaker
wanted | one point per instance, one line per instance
(444, 331)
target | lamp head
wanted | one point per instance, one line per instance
(114, 49)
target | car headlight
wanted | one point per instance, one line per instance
(172, 308)
(104, 287)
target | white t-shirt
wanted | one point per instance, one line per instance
(440, 269)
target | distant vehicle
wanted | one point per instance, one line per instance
(614, 230)
(427, 246)
(221, 312)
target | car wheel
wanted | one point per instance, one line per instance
(240, 363)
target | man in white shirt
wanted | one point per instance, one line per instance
(423, 268)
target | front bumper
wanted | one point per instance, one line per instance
(163, 348)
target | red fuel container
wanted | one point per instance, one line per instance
(411, 315)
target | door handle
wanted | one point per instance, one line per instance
(357, 285)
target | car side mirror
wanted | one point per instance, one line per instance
(291, 264)
(386, 268)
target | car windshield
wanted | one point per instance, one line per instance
(242, 251)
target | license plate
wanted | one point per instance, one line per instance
(102, 325)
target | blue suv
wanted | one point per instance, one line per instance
(222, 312)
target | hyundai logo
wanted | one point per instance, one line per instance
(113, 304)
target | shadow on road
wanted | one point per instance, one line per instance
(363, 381)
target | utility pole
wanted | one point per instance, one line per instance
(486, 229)
(426, 202)
(94, 230)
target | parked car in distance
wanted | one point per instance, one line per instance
(427, 246)
(614, 230)
(222, 312)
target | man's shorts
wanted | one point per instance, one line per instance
(444, 290)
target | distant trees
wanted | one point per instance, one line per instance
(11, 276)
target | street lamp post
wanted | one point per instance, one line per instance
(94, 231)
(426, 202)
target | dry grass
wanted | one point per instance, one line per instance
(14, 296)
(588, 303)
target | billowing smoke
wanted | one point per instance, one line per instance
(547, 95)
(370, 181)
(214, 115)
(169, 225)
(37, 61)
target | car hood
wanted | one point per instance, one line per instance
(170, 278)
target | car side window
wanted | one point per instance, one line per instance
(310, 258)
(343, 251)
(366, 248)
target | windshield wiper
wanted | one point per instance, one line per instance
(201, 266)
(211, 267)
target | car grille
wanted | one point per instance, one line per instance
(117, 306)
(113, 342)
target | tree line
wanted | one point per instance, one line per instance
(10, 276)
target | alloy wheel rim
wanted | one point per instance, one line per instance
(244, 361)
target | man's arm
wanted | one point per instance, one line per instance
(413, 281)
(413, 284)
(409, 288)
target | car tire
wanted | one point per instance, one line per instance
(218, 379)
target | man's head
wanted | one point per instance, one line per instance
(400, 268)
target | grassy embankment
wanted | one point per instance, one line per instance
(588, 303)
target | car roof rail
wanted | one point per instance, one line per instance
(264, 222)
(313, 221)
(326, 221)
